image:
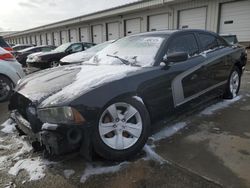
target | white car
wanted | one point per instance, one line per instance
(10, 73)
(84, 55)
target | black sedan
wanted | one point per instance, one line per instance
(22, 55)
(109, 104)
(52, 59)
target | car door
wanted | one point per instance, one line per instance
(216, 53)
(191, 77)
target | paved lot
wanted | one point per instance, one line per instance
(213, 150)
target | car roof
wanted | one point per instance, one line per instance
(170, 32)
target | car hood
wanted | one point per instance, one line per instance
(60, 85)
(77, 57)
(34, 54)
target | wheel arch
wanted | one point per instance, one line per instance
(6, 76)
(130, 95)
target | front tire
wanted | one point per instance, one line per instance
(122, 130)
(233, 84)
(6, 87)
(54, 64)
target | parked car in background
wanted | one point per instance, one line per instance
(109, 104)
(21, 46)
(52, 59)
(85, 55)
(5, 45)
(10, 72)
(11, 44)
(231, 39)
(22, 55)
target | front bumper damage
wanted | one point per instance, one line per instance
(64, 139)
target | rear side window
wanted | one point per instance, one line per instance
(221, 42)
(46, 49)
(185, 43)
(208, 42)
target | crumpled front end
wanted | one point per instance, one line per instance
(55, 139)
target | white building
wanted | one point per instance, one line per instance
(222, 16)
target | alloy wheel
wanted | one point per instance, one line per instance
(234, 83)
(120, 126)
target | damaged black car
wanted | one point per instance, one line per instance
(109, 104)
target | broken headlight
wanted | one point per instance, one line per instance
(60, 115)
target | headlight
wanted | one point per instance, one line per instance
(60, 115)
(37, 58)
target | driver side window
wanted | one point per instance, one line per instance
(185, 43)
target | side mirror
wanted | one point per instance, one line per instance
(176, 57)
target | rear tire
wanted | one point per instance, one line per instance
(6, 87)
(121, 137)
(233, 84)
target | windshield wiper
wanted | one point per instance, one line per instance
(124, 61)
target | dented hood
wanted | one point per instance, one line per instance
(63, 84)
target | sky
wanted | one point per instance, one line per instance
(17, 15)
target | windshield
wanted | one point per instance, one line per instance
(62, 48)
(98, 47)
(137, 50)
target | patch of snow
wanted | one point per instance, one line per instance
(9, 126)
(67, 173)
(3, 160)
(204, 53)
(49, 126)
(152, 155)
(3, 147)
(138, 99)
(89, 77)
(34, 167)
(90, 170)
(248, 95)
(220, 105)
(169, 131)
(26, 147)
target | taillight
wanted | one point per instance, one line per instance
(8, 49)
(7, 57)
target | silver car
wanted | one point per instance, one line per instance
(85, 55)
(10, 73)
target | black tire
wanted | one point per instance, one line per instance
(118, 155)
(228, 93)
(6, 82)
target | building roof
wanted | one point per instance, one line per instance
(129, 7)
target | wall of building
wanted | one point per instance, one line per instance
(120, 15)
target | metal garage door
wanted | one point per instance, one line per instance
(49, 39)
(193, 18)
(235, 19)
(43, 39)
(64, 37)
(56, 38)
(113, 31)
(97, 33)
(132, 26)
(84, 34)
(33, 39)
(73, 35)
(38, 40)
(158, 22)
